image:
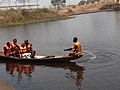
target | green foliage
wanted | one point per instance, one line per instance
(23, 16)
(2, 13)
(25, 12)
(45, 10)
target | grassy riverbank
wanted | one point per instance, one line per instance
(23, 16)
(26, 16)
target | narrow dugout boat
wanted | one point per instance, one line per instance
(38, 58)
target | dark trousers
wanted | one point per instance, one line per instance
(33, 52)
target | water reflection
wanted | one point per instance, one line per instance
(75, 71)
(12, 68)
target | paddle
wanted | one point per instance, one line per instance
(50, 56)
(69, 49)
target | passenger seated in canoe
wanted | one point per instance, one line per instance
(8, 49)
(16, 48)
(22, 49)
(76, 48)
(26, 45)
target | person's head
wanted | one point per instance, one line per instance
(26, 41)
(8, 43)
(75, 39)
(14, 41)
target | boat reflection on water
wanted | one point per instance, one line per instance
(12, 68)
(75, 71)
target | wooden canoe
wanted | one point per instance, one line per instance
(38, 58)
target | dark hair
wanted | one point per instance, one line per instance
(75, 39)
(14, 40)
(8, 43)
(26, 41)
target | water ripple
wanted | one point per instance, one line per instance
(100, 58)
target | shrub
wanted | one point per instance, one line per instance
(70, 10)
(25, 13)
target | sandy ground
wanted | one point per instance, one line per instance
(5, 86)
(92, 7)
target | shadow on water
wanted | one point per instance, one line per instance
(22, 69)
(12, 68)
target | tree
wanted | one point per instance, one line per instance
(92, 1)
(82, 2)
(58, 3)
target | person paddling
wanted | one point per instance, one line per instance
(76, 48)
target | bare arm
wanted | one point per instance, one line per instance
(69, 49)
(4, 48)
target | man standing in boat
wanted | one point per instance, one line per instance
(77, 50)
(28, 48)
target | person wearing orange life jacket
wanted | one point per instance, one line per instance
(8, 49)
(29, 49)
(16, 47)
(22, 49)
(77, 50)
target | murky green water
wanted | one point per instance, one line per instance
(98, 69)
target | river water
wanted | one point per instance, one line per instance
(98, 69)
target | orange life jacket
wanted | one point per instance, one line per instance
(22, 50)
(15, 48)
(8, 49)
(28, 48)
(77, 47)
(13, 45)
